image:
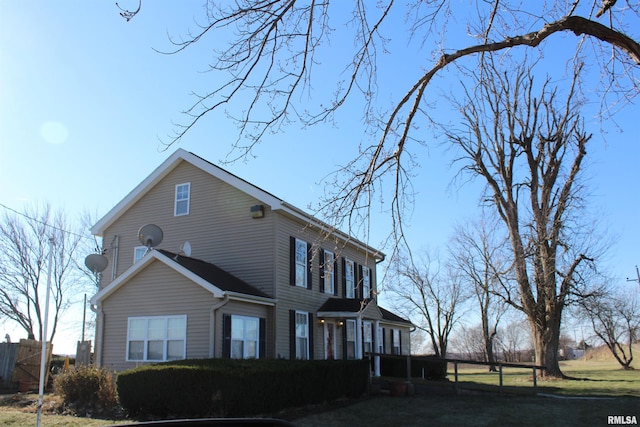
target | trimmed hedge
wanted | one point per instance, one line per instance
(236, 388)
(430, 367)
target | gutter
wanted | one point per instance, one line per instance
(99, 332)
(212, 323)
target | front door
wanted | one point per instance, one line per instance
(329, 340)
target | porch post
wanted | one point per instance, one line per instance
(358, 337)
(376, 358)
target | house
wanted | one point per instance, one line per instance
(239, 273)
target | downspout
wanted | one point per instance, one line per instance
(99, 332)
(212, 323)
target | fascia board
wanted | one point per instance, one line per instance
(164, 169)
(250, 298)
(140, 190)
(142, 264)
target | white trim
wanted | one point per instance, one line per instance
(187, 199)
(165, 339)
(305, 336)
(264, 197)
(164, 169)
(142, 264)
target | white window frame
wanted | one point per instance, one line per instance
(350, 330)
(247, 342)
(166, 338)
(181, 200)
(302, 335)
(328, 272)
(367, 337)
(301, 263)
(350, 279)
(139, 252)
(366, 282)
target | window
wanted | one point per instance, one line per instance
(156, 338)
(367, 337)
(302, 335)
(245, 337)
(350, 326)
(395, 334)
(349, 278)
(300, 264)
(366, 282)
(183, 192)
(380, 340)
(328, 272)
(139, 252)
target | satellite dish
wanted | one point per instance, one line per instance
(96, 262)
(150, 235)
(186, 248)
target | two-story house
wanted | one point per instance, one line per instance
(239, 273)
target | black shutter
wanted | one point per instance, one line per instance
(321, 270)
(311, 328)
(344, 278)
(400, 341)
(263, 338)
(309, 266)
(226, 335)
(358, 280)
(292, 334)
(335, 276)
(292, 261)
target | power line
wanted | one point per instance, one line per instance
(44, 223)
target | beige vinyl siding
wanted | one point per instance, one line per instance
(219, 227)
(156, 291)
(297, 298)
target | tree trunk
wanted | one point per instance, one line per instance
(547, 344)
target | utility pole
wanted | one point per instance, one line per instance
(637, 275)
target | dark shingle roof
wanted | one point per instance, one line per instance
(214, 274)
(354, 305)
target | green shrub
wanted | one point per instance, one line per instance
(87, 389)
(236, 388)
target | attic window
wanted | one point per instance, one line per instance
(183, 195)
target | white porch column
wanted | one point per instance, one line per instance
(378, 340)
(358, 338)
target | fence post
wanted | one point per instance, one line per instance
(500, 368)
(535, 382)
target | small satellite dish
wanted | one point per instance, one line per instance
(186, 248)
(96, 262)
(150, 235)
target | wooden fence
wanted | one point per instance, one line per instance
(410, 368)
(20, 364)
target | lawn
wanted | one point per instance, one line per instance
(604, 390)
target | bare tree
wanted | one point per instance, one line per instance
(271, 53)
(616, 321)
(514, 340)
(528, 146)
(477, 251)
(429, 297)
(24, 254)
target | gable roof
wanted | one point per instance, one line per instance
(261, 195)
(350, 307)
(210, 277)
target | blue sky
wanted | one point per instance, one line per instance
(85, 101)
